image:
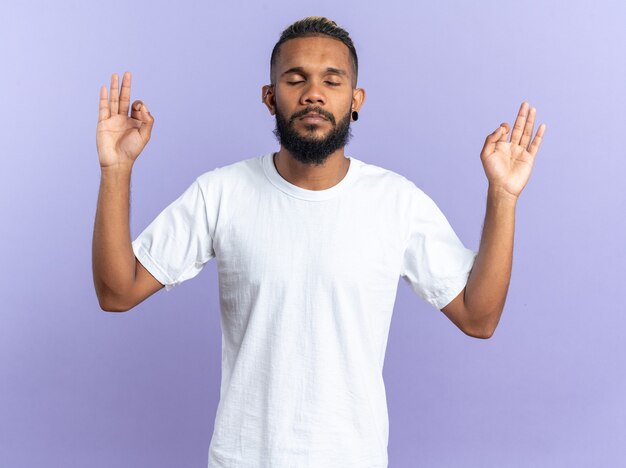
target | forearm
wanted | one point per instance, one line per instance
(488, 283)
(112, 256)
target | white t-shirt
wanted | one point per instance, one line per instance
(307, 283)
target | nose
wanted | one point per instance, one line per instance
(313, 94)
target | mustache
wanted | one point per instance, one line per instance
(319, 110)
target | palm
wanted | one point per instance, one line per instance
(508, 164)
(119, 135)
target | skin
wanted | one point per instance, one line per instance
(507, 164)
(314, 55)
(122, 282)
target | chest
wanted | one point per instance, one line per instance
(281, 243)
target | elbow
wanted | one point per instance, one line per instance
(483, 334)
(483, 330)
(108, 308)
(107, 304)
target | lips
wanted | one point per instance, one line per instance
(313, 116)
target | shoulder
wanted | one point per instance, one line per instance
(389, 182)
(378, 173)
(231, 176)
(230, 171)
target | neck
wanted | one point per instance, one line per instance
(312, 177)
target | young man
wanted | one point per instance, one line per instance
(310, 245)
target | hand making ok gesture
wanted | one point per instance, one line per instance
(508, 164)
(121, 138)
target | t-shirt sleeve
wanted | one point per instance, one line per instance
(436, 264)
(177, 244)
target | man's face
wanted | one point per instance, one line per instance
(313, 74)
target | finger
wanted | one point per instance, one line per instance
(125, 94)
(147, 121)
(491, 140)
(505, 132)
(519, 123)
(114, 94)
(534, 146)
(103, 110)
(528, 128)
(135, 112)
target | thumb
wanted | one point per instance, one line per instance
(491, 140)
(142, 113)
(135, 110)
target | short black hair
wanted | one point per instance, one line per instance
(316, 26)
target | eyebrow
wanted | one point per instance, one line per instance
(332, 70)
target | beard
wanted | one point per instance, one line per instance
(309, 149)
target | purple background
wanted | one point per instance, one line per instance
(80, 387)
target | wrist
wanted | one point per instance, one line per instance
(498, 194)
(115, 176)
(116, 169)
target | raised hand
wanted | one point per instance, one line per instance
(120, 138)
(508, 164)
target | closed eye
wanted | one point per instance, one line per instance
(329, 82)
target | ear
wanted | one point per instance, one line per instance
(358, 98)
(268, 98)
